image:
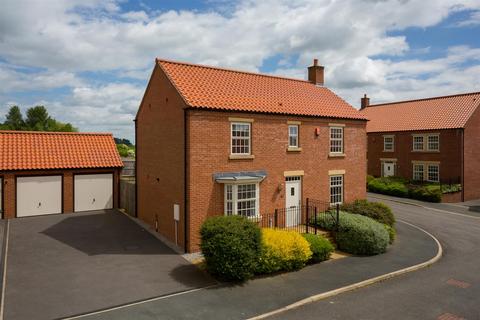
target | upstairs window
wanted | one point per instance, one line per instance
(293, 136)
(336, 140)
(433, 143)
(388, 143)
(418, 143)
(241, 138)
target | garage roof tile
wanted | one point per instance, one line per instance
(33, 150)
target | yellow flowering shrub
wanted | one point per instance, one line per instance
(283, 250)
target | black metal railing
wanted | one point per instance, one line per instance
(302, 218)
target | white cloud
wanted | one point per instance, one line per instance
(14, 79)
(65, 37)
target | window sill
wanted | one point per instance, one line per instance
(294, 149)
(241, 157)
(426, 151)
(389, 151)
(336, 155)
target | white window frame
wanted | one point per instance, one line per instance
(249, 138)
(385, 143)
(414, 146)
(437, 142)
(431, 165)
(415, 171)
(341, 194)
(295, 136)
(340, 139)
(234, 201)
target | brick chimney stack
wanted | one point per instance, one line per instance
(315, 73)
(364, 102)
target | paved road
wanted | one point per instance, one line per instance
(450, 289)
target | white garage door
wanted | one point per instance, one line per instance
(39, 195)
(93, 192)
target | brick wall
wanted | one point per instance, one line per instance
(209, 150)
(472, 157)
(160, 157)
(9, 195)
(449, 155)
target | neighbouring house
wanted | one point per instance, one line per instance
(213, 141)
(434, 139)
(57, 172)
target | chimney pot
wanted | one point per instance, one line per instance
(316, 73)
(364, 102)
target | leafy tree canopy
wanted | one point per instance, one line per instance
(37, 119)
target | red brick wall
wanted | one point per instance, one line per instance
(449, 155)
(9, 207)
(472, 157)
(160, 156)
(209, 150)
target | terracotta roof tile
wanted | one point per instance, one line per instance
(28, 150)
(225, 89)
(448, 112)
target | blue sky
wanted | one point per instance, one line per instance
(88, 61)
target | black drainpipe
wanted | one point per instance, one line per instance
(185, 186)
(136, 171)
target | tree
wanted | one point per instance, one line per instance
(38, 119)
(14, 119)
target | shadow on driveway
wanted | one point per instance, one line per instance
(64, 265)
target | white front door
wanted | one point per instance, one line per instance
(93, 192)
(39, 195)
(293, 198)
(388, 169)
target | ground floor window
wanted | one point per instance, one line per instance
(242, 199)
(336, 189)
(433, 173)
(418, 172)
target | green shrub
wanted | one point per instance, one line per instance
(369, 178)
(425, 193)
(392, 233)
(375, 210)
(282, 251)
(451, 188)
(231, 246)
(357, 234)
(390, 186)
(321, 248)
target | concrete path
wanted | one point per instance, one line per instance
(64, 265)
(270, 293)
(449, 289)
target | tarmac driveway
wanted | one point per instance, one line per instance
(65, 265)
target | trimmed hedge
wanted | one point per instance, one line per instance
(400, 187)
(231, 246)
(282, 251)
(430, 193)
(357, 234)
(321, 248)
(389, 186)
(375, 210)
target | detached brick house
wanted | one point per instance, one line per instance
(214, 141)
(434, 139)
